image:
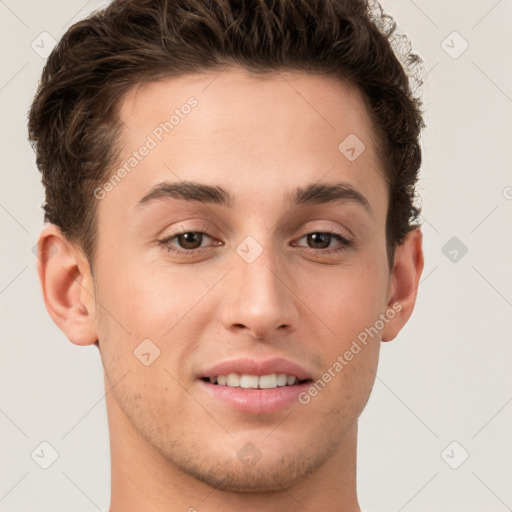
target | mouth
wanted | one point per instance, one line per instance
(255, 386)
(248, 381)
(256, 394)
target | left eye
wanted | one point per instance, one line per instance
(324, 238)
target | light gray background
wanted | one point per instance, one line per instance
(445, 378)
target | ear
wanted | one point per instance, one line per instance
(67, 285)
(404, 282)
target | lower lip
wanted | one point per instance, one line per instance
(256, 400)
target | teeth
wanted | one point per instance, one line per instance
(268, 381)
(249, 381)
(282, 379)
(233, 380)
(291, 380)
(245, 381)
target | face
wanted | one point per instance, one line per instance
(262, 270)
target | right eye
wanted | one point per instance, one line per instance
(189, 241)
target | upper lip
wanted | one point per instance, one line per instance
(256, 367)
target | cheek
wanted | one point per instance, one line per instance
(158, 305)
(347, 300)
(348, 347)
(349, 303)
(142, 301)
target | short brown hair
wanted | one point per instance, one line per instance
(74, 124)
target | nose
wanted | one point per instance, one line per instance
(259, 296)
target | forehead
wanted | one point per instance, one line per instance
(239, 131)
(234, 97)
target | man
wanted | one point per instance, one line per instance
(229, 207)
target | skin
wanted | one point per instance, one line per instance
(173, 447)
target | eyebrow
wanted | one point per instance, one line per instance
(311, 194)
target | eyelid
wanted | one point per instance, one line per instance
(187, 227)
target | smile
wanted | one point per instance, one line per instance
(247, 381)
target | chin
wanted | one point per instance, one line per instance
(274, 474)
(250, 480)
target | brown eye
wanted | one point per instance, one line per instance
(187, 243)
(190, 240)
(321, 240)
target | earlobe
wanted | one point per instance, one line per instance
(404, 283)
(66, 285)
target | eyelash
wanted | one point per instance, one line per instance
(165, 243)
